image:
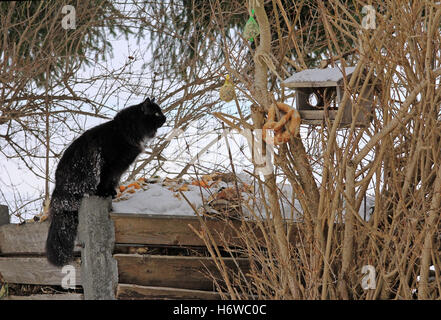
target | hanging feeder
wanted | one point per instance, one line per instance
(319, 93)
(252, 29)
(226, 92)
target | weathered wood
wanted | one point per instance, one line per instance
(99, 269)
(61, 296)
(174, 230)
(29, 238)
(172, 271)
(316, 114)
(36, 270)
(169, 230)
(4, 215)
(136, 292)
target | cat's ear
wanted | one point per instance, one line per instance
(146, 107)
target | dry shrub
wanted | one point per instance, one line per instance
(396, 159)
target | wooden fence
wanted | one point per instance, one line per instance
(107, 270)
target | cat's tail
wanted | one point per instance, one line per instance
(61, 236)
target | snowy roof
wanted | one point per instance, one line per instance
(328, 77)
(160, 199)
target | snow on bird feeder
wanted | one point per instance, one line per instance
(319, 93)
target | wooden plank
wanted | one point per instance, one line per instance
(4, 215)
(135, 292)
(61, 296)
(36, 270)
(315, 117)
(28, 238)
(167, 230)
(316, 114)
(174, 230)
(171, 271)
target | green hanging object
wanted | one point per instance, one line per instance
(251, 28)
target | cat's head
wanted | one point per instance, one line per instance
(141, 121)
(153, 112)
(152, 115)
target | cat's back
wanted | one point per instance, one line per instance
(90, 141)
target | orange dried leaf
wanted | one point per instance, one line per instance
(200, 183)
(135, 185)
(183, 188)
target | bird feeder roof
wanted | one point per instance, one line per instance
(329, 77)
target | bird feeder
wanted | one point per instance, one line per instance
(319, 93)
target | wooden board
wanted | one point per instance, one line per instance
(28, 238)
(61, 296)
(166, 229)
(171, 271)
(4, 215)
(175, 230)
(316, 114)
(35, 270)
(136, 292)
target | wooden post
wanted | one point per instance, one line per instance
(96, 234)
(4, 215)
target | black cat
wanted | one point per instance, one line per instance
(93, 165)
